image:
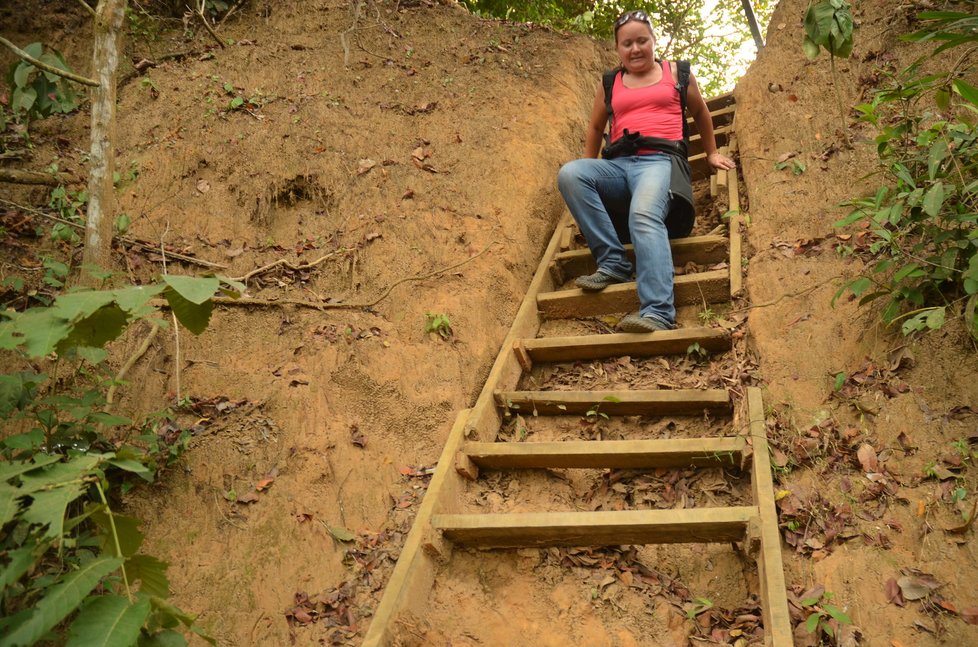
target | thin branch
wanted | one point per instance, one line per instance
(121, 375)
(789, 295)
(41, 65)
(173, 314)
(86, 5)
(285, 263)
(250, 301)
(200, 14)
(124, 239)
(231, 11)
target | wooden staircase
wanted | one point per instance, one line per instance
(473, 445)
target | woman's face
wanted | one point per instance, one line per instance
(635, 46)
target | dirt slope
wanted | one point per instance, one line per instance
(410, 139)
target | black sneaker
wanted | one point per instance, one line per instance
(596, 282)
(637, 323)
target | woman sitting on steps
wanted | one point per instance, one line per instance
(641, 191)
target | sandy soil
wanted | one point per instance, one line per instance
(410, 139)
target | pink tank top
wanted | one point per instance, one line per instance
(653, 111)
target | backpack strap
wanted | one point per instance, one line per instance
(608, 82)
(682, 84)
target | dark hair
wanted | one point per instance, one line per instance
(628, 17)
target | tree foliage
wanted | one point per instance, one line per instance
(683, 29)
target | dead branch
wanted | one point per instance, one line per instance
(790, 295)
(282, 263)
(230, 11)
(121, 375)
(271, 303)
(87, 7)
(200, 14)
(41, 65)
(123, 239)
(15, 176)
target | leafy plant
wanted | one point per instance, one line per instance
(696, 351)
(36, 93)
(924, 242)
(823, 617)
(828, 25)
(72, 567)
(797, 166)
(439, 324)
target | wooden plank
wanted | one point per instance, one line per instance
(702, 250)
(699, 166)
(736, 262)
(617, 403)
(713, 186)
(721, 117)
(599, 454)
(603, 528)
(484, 420)
(774, 597)
(721, 101)
(413, 574)
(689, 289)
(720, 136)
(667, 342)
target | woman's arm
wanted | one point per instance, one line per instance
(595, 128)
(704, 124)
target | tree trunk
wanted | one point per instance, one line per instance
(109, 17)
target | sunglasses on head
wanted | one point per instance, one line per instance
(629, 16)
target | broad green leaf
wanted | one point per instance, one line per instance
(837, 613)
(75, 306)
(810, 48)
(811, 624)
(968, 92)
(151, 572)
(934, 199)
(38, 331)
(8, 502)
(860, 285)
(59, 601)
(134, 298)
(935, 157)
(340, 533)
(935, 319)
(126, 528)
(164, 638)
(17, 390)
(22, 74)
(48, 507)
(193, 316)
(34, 50)
(98, 329)
(61, 473)
(10, 470)
(19, 560)
(23, 99)
(92, 355)
(108, 621)
(196, 290)
(109, 420)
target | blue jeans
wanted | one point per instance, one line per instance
(627, 198)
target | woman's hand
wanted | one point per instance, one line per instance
(720, 162)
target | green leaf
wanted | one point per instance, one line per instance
(17, 390)
(103, 326)
(93, 356)
(236, 102)
(193, 316)
(840, 380)
(10, 470)
(34, 50)
(934, 199)
(48, 507)
(76, 306)
(8, 502)
(22, 74)
(196, 290)
(935, 158)
(39, 330)
(126, 529)
(935, 319)
(164, 638)
(151, 571)
(340, 533)
(810, 48)
(968, 92)
(108, 621)
(133, 299)
(23, 99)
(811, 624)
(837, 613)
(20, 560)
(59, 601)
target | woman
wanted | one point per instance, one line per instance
(644, 167)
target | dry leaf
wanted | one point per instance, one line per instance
(893, 592)
(867, 458)
(970, 615)
(203, 186)
(264, 484)
(248, 497)
(365, 165)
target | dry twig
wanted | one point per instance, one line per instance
(283, 263)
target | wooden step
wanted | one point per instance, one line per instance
(601, 454)
(689, 289)
(602, 528)
(666, 342)
(720, 101)
(721, 117)
(720, 136)
(702, 250)
(616, 403)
